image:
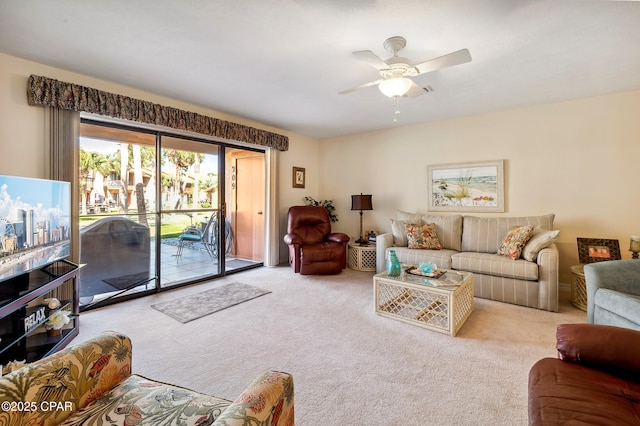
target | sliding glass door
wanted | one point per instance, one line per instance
(191, 211)
(161, 210)
(118, 220)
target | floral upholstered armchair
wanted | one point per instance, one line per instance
(91, 384)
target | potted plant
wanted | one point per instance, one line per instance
(327, 204)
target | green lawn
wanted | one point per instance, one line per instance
(172, 224)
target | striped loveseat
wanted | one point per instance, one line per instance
(470, 243)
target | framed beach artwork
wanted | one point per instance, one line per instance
(473, 187)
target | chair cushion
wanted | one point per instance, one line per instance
(624, 305)
(191, 237)
(140, 401)
(322, 252)
(485, 234)
(448, 228)
(496, 265)
(442, 258)
(562, 393)
(310, 223)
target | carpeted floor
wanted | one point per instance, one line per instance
(350, 366)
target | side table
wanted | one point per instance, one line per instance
(578, 287)
(361, 258)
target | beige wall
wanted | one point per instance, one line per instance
(576, 159)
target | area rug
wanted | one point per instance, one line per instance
(189, 308)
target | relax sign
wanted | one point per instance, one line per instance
(34, 319)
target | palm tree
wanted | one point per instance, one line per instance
(196, 180)
(148, 159)
(90, 164)
(124, 176)
(210, 184)
(182, 160)
(137, 174)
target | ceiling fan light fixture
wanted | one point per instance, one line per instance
(394, 87)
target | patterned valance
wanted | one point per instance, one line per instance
(49, 92)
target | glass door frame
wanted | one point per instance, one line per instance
(221, 211)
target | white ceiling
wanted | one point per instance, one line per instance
(283, 62)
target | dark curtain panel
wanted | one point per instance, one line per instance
(68, 96)
(63, 133)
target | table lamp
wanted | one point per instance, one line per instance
(361, 202)
(634, 246)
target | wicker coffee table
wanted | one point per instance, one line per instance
(417, 300)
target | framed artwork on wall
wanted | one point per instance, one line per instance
(298, 177)
(592, 250)
(472, 187)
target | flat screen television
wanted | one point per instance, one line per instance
(35, 221)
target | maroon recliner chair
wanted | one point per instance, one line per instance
(313, 248)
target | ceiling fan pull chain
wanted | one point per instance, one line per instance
(395, 116)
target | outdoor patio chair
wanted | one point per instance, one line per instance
(206, 236)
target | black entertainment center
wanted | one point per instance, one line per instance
(21, 337)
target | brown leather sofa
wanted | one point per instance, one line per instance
(313, 248)
(594, 381)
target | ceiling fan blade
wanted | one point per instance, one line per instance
(456, 58)
(362, 86)
(415, 90)
(372, 59)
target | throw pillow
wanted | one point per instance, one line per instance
(422, 237)
(399, 233)
(540, 239)
(514, 241)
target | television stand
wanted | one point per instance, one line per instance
(23, 313)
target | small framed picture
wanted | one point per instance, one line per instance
(298, 177)
(591, 250)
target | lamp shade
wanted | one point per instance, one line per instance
(361, 202)
(396, 86)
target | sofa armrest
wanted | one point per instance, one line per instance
(338, 237)
(548, 275)
(72, 378)
(383, 242)
(268, 400)
(292, 239)
(618, 275)
(602, 347)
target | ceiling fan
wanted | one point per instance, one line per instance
(396, 72)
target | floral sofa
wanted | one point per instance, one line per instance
(91, 384)
(527, 276)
